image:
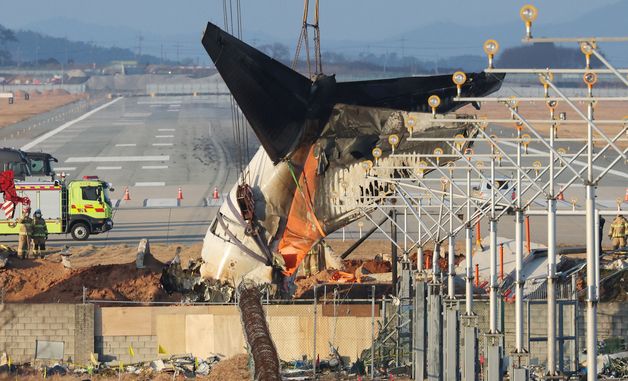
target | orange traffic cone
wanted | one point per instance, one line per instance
(560, 196)
(127, 196)
(626, 196)
(216, 196)
(180, 194)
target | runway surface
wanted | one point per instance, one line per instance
(156, 145)
(153, 146)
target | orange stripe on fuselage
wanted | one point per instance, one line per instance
(303, 229)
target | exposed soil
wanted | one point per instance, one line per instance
(107, 273)
(538, 110)
(38, 103)
(374, 266)
(235, 368)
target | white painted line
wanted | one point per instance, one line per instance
(109, 159)
(150, 184)
(65, 169)
(164, 136)
(158, 103)
(166, 129)
(126, 145)
(127, 123)
(136, 114)
(173, 110)
(66, 125)
(162, 144)
(161, 203)
(107, 168)
(155, 167)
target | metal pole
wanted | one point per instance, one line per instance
(469, 253)
(493, 254)
(527, 220)
(598, 237)
(314, 338)
(419, 253)
(493, 277)
(393, 249)
(519, 281)
(435, 265)
(493, 350)
(551, 263)
(372, 331)
(405, 232)
(591, 260)
(451, 271)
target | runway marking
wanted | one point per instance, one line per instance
(65, 168)
(158, 103)
(111, 159)
(126, 145)
(164, 136)
(166, 129)
(62, 127)
(127, 123)
(155, 167)
(162, 144)
(150, 184)
(136, 114)
(108, 168)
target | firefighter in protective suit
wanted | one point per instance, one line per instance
(40, 234)
(25, 224)
(618, 232)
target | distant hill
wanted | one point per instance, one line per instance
(30, 46)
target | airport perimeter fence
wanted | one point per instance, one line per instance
(356, 325)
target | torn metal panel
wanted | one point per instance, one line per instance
(190, 283)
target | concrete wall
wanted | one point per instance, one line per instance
(537, 329)
(612, 321)
(21, 325)
(207, 330)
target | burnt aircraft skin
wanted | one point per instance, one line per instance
(314, 135)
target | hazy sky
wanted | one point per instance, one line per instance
(340, 19)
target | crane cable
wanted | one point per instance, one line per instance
(238, 121)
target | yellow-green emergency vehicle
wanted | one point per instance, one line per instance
(78, 207)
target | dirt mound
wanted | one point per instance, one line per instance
(373, 266)
(43, 281)
(107, 273)
(235, 368)
(306, 284)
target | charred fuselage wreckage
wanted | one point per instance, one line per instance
(308, 179)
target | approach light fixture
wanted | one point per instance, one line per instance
(528, 14)
(433, 101)
(459, 78)
(491, 47)
(377, 153)
(590, 78)
(587, 49)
